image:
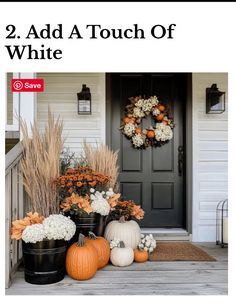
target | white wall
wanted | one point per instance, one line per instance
(61, 95)
(210, 156)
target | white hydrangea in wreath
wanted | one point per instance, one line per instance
(163, 132)
(129, 129)
(157, 135)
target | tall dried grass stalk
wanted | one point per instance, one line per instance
(41, 164)
(103, 160)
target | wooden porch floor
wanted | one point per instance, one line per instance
(150, 278)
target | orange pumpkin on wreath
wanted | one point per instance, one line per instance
(150, 134)
(160, 117)
(138, 130)
(161, 108)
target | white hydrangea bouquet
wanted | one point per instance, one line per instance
(147, 243)
(35, 228)
(100, 201)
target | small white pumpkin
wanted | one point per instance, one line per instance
(127, 231)
(122, 256)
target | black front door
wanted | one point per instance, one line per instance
(152, 177)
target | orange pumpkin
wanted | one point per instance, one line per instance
(140, 255)
(160, 117)
(150, 134)
(126, 120)
(138, 130)
(129, 119)
(102, 247)
(161, 108)
(81, 260)
(132, 120)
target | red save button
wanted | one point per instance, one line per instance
(27, 85)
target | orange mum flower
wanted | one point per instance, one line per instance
(125, 203)
(85, 205)
(137, 212)
(75, 199)
(18, 226)
(65, 207)
(93, 183)
(35, 218)
(114, 200)
(70, 171)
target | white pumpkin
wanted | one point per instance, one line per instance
(122, 256)
(127, 231)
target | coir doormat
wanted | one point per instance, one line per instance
(179, 251)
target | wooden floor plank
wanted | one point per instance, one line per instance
(127, 289)
(146, 277)
(169, 265)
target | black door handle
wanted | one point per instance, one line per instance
(180, 160)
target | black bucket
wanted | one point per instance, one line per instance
(101, 225)
(89, 222)
(44, 261)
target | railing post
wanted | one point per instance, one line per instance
(7, 227)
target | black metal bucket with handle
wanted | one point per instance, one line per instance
(85, 223)
(44, 261)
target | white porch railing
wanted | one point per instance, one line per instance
(14, 209)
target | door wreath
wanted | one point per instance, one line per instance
(139, 108)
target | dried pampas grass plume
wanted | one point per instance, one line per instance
(41, 164)
(103, 160)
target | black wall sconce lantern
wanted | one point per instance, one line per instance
(84, 101)
(215, 100)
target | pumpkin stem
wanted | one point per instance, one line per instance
(92, 235)
(122, 244)
(81, 240)
(122, 219)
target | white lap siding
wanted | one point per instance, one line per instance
(210, 156)
(61, 95)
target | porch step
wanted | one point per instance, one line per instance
(168, 234)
